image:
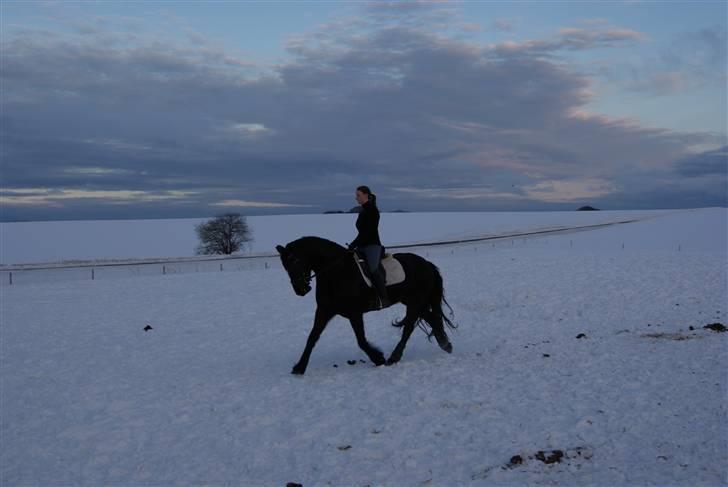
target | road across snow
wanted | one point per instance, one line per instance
(205, 397)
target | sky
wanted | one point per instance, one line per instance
(191, 109)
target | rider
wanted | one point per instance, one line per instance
(368, 240)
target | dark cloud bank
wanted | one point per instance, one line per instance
(112, 124)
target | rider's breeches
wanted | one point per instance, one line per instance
(373, 255)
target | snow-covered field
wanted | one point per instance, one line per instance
(29, 242)
(205, 397)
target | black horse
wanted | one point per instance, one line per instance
(340, 290)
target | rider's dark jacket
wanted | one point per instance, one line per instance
(368, 226)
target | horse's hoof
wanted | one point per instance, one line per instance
(391, 361)
(298, 370)
(444, 344)
(378, 359)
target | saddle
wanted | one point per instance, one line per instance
(393, 270)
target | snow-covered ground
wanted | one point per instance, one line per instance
(205, 397)
(134, 239)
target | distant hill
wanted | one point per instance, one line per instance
(357, 209)
(588, 208)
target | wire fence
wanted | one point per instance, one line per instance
(43, 273)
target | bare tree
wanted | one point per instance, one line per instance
(224, 234)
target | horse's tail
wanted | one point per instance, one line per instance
(438, 298)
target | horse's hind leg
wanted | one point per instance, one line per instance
(438, 330)
(374, 354)
(408, 326)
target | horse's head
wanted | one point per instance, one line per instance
(298, 270)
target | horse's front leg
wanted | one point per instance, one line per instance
(323, 316)
(408, 326)
(374, 354)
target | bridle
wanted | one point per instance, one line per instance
(304, 276)
(310, 277)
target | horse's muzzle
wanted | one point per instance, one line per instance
(302, 290)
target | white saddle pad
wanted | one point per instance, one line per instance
(394, 270)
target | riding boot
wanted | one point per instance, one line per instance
(381, 287)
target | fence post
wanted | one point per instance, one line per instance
(93, 274)
(11, 278)
(220, 267)
(164, 270)
(266, 265)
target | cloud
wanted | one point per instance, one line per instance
(566, 191)
(248, 130)
(96, 171)
(56, 198)
(427, 119)
(571, 39)
(709, 163)
(256, 204)
(503, 25)
(664, 83)
(691, 60)
(466, 193)
(415, 12)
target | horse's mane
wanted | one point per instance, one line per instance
(307, 241)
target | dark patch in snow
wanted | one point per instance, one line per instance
(580, 335)
(670, 336)
(515, 460)
(345, 447)
(546, 355)
(351, 362)
(569, 456)
(554, 457)
(717, 327)
(148, 327)
(293, 484)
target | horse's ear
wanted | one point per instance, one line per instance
(280, 249)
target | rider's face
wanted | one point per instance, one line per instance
(361, 198)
